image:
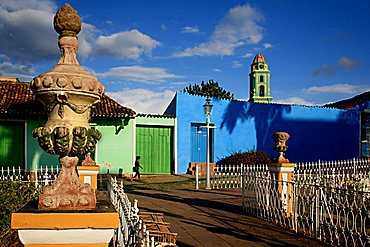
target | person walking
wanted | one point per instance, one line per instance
(137, 167)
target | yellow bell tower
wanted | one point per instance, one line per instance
(259, 79)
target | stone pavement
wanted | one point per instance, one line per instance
(214, 218)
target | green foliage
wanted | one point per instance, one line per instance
(247, 158)
(210, 88)
(13, 195)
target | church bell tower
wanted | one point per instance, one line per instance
(259, 79)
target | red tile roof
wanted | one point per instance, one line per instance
(149, 115)
(17, 100)
(259, 58)
(352, 102)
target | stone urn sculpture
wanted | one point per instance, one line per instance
(280, 147)
(67, 92)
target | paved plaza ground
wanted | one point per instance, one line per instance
(214, 218)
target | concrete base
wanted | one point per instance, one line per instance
(40, 228)
(69, 237)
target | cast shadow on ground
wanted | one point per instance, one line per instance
(210, 208)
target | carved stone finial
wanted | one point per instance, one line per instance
(67, 22)
(88, 161)
(280, 147)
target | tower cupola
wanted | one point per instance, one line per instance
(259, 79)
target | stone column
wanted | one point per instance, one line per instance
(282, 173)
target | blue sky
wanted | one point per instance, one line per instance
(144, 51)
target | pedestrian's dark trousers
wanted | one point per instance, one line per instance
(137, 173)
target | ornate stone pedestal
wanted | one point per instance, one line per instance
(67, 191)
(41, 228)
(282, 173)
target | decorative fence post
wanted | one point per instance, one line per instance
(282, 172)
(196, 177)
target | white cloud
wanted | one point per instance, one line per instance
(27, 35)
(238, 28)
(163, 27)
(267, 45)
(23, 72)
(217, 70)
(248, 54)
(294, 101)
(324, 70)
(347, 63)
(122, 45)
(338, 88)
(236, 64)
(26, 30)
(139, 74)
(178, 83)
(143, 100)
(188, 29)
(43, 5)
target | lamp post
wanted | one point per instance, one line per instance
(208, 107)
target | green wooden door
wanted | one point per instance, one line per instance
(154, 146)
(11, 144)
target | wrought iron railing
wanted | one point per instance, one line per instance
(40, 177)
(329, 203)
(227, 176)
(352, 167)
(132, 230)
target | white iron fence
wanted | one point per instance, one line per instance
(41, 177)
(329, 201)
(132, 230)
(352, 167)
(229, 176)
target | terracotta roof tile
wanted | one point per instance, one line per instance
(149, 115)
(17, 100)
(352, 102)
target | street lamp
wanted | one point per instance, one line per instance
(208, 107)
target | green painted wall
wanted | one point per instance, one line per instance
(11, 144)
(36, 156)
(116, 146)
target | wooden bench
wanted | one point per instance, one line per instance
(158, 228)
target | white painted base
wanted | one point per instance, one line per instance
(70, 236)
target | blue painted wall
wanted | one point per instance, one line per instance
(316, 132)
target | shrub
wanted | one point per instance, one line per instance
(247, 158)
(13, 195)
